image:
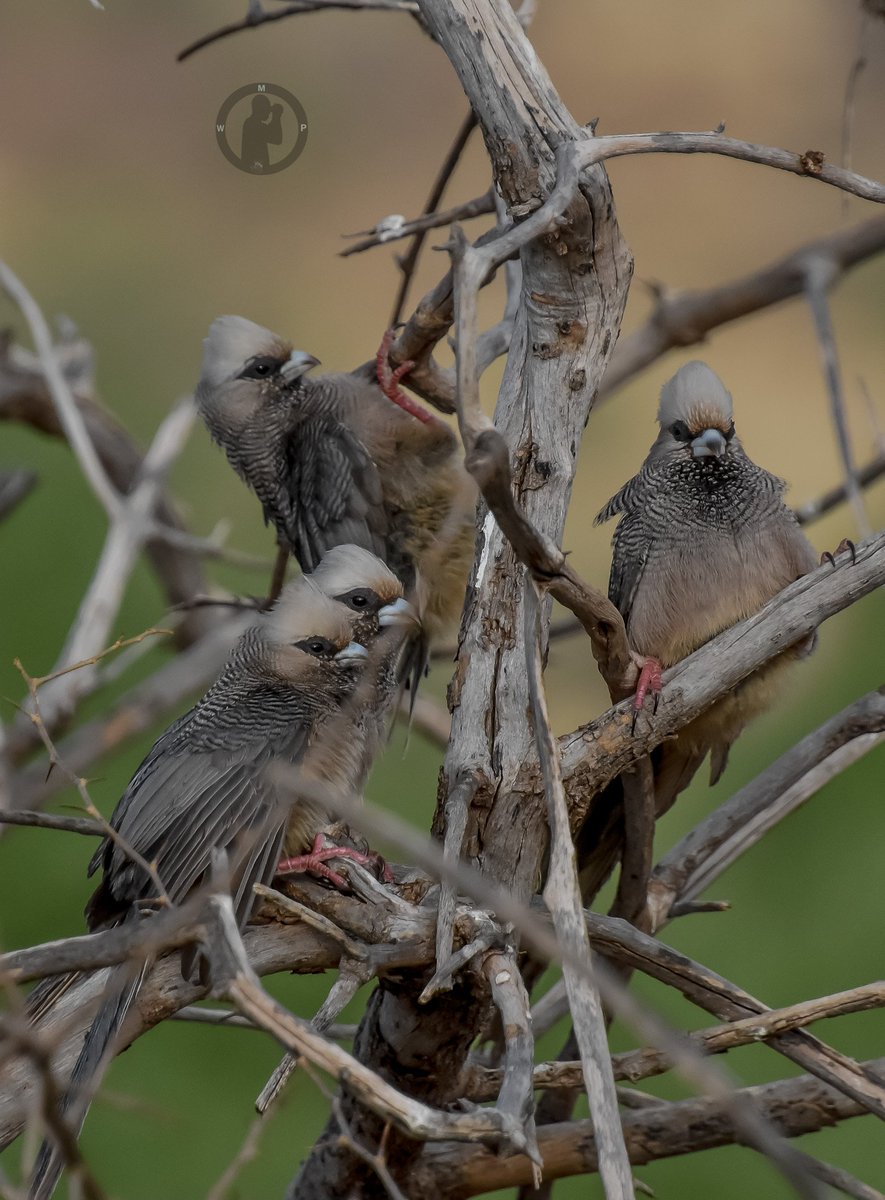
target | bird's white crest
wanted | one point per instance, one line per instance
(232, 341)
(695, 388)
(303, 610)
(345, 567)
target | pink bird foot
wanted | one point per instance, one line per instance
(845, 544)
(388, 381)
(649, 681)
(314, 863)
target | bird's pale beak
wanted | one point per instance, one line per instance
(709, 444)
(400, 612)
(352, 652)
(297, 364)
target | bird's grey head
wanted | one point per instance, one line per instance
(695, 415)
(306, 634)
(239, 351)
(359, 580)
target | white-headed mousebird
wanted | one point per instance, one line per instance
(292, 693)
(704, 541)
(333, 460)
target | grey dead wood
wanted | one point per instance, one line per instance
(558, 350)
(713, 845)
(25, 397)
(820, 274)
(235, 980)
(482, 1083)
(684, 318)
(516, 1093)
(866, 476)
(562, 895)
(796, 1106)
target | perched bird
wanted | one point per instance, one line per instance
(704, 541)
(337, 460)
(373, 598)
(210, 784)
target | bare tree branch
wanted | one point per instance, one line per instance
(818, 279)
(737, 825)
(867, 475)
(797, 1106)
(562, 895)
(256, 15)
(684, 318)
(69, 414)
(515, 1091)
(483, 1083)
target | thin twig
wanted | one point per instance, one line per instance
(409, 261)
(36, 717)
(866, 476)
(84, 825)
(849, 103)
(562, 896)
(68, 413)
(377, 1161)
(258, 16)
(684, 318)
(511, 999)
(632, 1065)
(226, 1018)
(818, 278)
(711, 847)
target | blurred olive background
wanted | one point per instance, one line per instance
(119, 210)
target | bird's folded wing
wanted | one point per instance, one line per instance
(335, 493)
(192, 804)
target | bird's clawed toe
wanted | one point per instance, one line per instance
(315, 863)
(845, 544)
(649, 681)
(389, 379)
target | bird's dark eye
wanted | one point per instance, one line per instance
(729, 433)
(360, 600)
(319, 647)
(680, 431)
(260, 367)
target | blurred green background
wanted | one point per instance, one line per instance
(119, 210)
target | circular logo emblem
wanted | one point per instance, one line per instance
(261, 128)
